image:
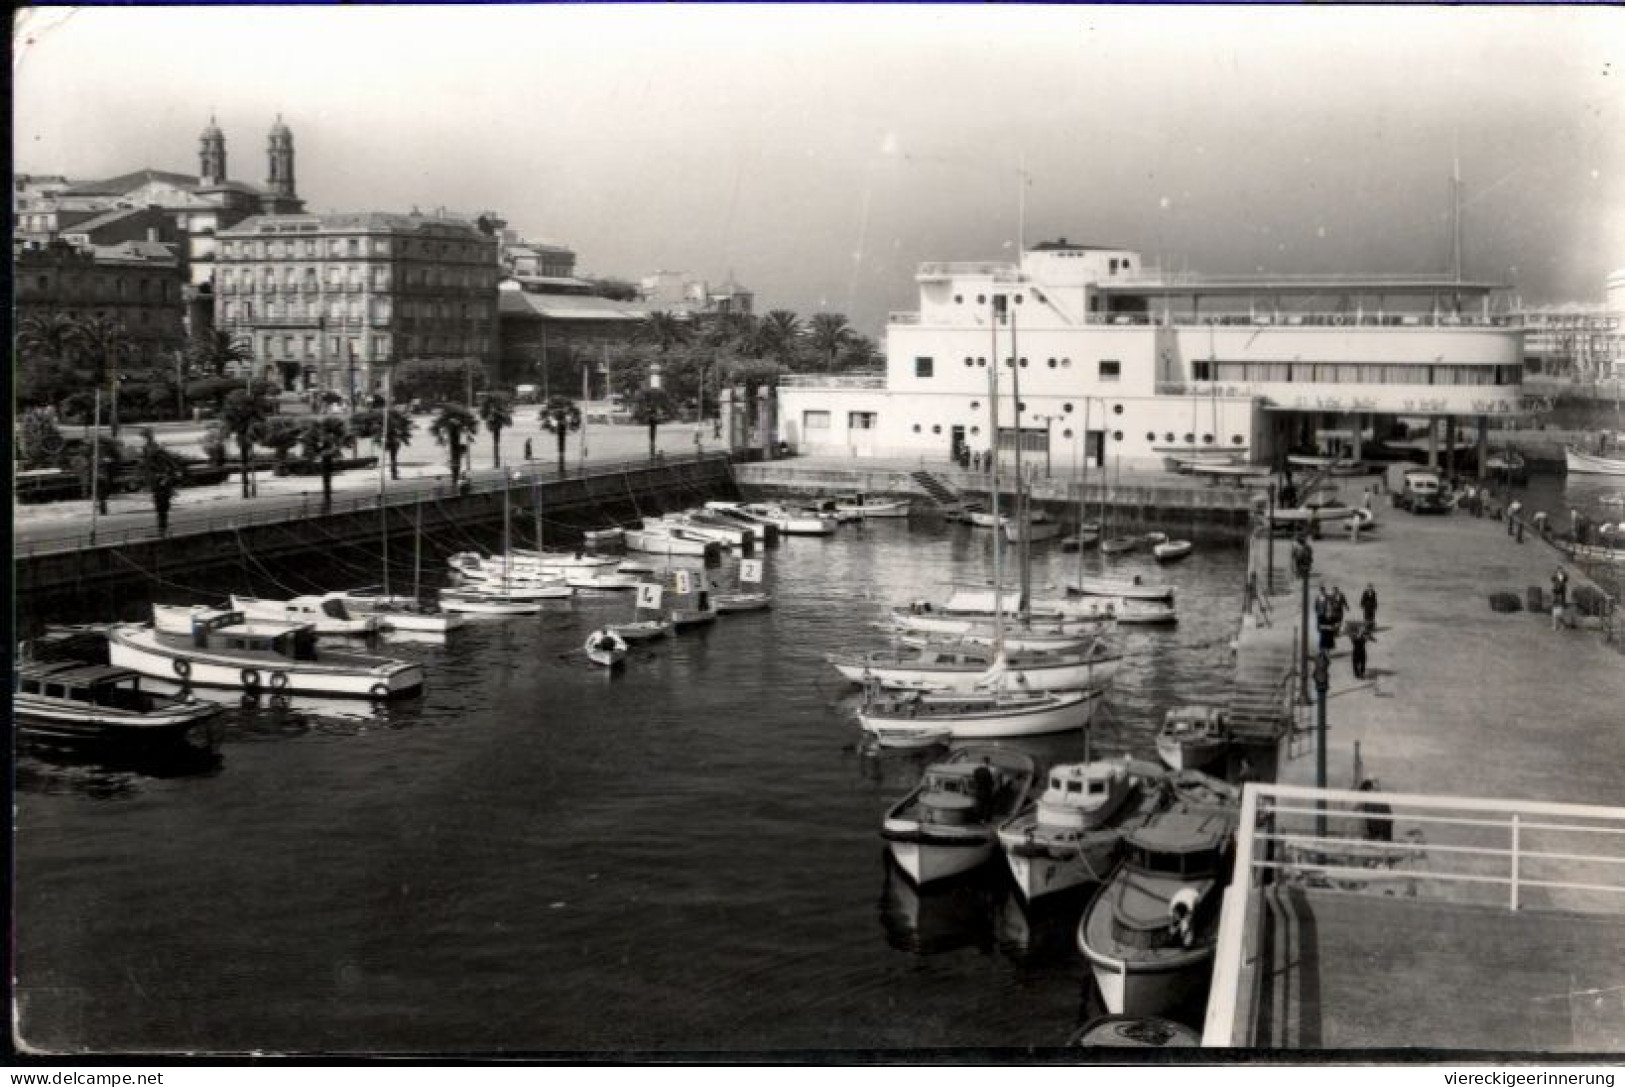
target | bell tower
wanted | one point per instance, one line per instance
(279, 181)
(212, 154)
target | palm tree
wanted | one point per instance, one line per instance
(397, 436)
(664, 329)
(242, 419)
(496, 411)
(652, 407)
(47, 336)
(778, 333)
(218, 349)
(39, 441)
(829, 332)
(280, 434)
(322, 439)
(561, 415)
(107, 347)
(160, 473)
(452, 428)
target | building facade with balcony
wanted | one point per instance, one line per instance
(329, 302)
(1112, 362)
(134, 284)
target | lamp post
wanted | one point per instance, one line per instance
(1322, 684)
(1303, 557)
(1269, 544)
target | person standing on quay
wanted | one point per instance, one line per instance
(1560, 597)
(1359, 634)
(1368, 605)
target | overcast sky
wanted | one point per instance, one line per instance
(820, 152)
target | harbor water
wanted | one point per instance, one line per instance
(539, 856)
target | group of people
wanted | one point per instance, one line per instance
(1331, 609)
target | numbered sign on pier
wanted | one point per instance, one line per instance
(649, 595)
(682, 582)
(750, 570)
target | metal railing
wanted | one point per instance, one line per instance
(1469, 851)
(1306, 320)
(281, 510)
(943, 268)
(870, 380)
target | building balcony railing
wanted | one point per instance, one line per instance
(1508, 323)
(947, 269)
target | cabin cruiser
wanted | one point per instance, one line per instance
(328, 615)
(946, 825)
(1192, 737)
(224, 649)
(72, 702)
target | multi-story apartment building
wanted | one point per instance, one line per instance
(135, 284)
(330, 301)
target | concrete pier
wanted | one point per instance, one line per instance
(1490, 916)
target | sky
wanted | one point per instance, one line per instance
(819, 153)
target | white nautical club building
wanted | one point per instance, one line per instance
(1124, 364)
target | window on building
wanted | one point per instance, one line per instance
(1110, 369)
(861, 420)
(815, 420)
(353, 247)
(923, 367)
(1202, 371)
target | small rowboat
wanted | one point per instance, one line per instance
(910, 738)
(477, 602)
(1118, 545)
(605, 648)
(1172, 550)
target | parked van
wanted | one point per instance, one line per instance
(1422, 493)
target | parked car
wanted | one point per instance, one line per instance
(1422, 492)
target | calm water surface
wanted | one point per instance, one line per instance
(540, 856)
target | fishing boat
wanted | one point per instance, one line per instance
(329, 616)
(868, 508)
(605, 648)
(1192, 737)
(970, 669)
(1172, 550)
(1581, 463)
(72, 702)
(226, 650)
(1071, 836)
(947, 825)
(1150, 932)
(397, 613)
(990, 715)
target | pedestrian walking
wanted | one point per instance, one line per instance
(527, 449)
(1354, 528)
(1560, 598)
(1514, 515)
(1368, 605)
(1359, 635)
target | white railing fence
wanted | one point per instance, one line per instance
(1468, 851)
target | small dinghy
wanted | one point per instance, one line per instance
(1172, 550)
(605, 648)
(724, 603)
(1118, 545)
(643, 630)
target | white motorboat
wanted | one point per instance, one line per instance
(226, 650)
(923, 617)
(1119, 545)
(1172, 550)
(398, 613)
(1192, 737)
(910, 739)
(512, 588)
(72, 702)
(177, 618)
(1581, 463)
(1150, 933)
(727, 513)
(473, 601)
(659, 541)
(969, 669)
(1072, 835)
(523, 558)
(737, 537)
(328, 615)
(985, 519)
(869, 508)
(605, 648)
(602, 581)
(1037, 531)
(989, 715)
(1125, 588)
(946, 825)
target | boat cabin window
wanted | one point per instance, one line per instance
(1096, 788)
(1177, 864)
(1074, 786)
(28, 686)
(334, 609)
(55, 690)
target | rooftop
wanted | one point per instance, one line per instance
(567, 307)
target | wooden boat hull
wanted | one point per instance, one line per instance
(139, 649)
(1590, 464)
(931, 862)
(1038, 872)
(1046, 714)
(58, 721)
(1189, 756)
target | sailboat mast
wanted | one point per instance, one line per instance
(1025, 556)
(383, 477)
(1083, 490)
(993, 485)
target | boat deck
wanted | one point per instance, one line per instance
(1340, 969)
